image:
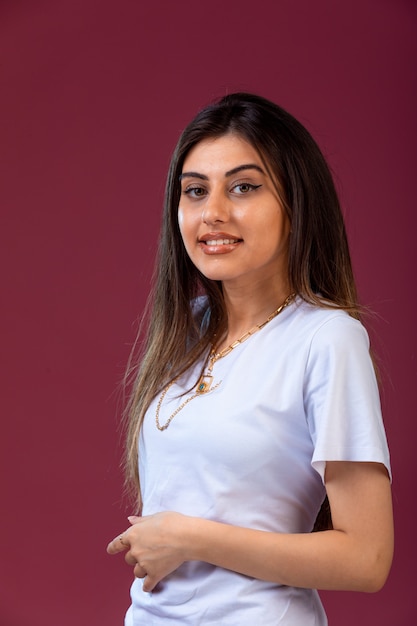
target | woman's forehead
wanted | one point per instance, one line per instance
(222, 154)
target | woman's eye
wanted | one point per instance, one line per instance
(194, 192)
(243, 188)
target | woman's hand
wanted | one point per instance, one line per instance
(153, 545)
(355, 556)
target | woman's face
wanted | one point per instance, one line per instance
(232, 222)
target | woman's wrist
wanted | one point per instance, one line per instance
(191, 537)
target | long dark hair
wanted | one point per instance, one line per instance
(319, 266)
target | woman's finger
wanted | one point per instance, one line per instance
(139, 572)
(130, 559)
(149, 583)
(119, 544)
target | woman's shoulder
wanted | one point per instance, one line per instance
(327, 323)
(316, 314)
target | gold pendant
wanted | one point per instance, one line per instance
(204, 383)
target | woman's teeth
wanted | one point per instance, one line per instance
(219, 242)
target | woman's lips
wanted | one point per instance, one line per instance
(218, 244)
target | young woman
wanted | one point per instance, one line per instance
(255, 400)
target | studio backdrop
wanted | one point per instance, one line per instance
(93, 97)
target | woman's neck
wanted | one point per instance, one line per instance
(246, 309)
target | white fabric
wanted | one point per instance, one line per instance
(252, 453)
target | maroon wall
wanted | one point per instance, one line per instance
(93, 96)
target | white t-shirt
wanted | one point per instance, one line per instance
(252, 453)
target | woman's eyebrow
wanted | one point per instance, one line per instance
(235, 170)
(193, 175)
(246, 166)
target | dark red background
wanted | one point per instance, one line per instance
(93, 96)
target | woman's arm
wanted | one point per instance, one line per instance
(355, 555)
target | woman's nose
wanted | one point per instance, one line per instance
(215, 208)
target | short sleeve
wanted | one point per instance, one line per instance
(341, 396)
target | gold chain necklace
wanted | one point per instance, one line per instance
(205, 381)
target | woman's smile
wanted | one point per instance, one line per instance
(218, 243)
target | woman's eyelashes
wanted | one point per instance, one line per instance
(241, 188)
